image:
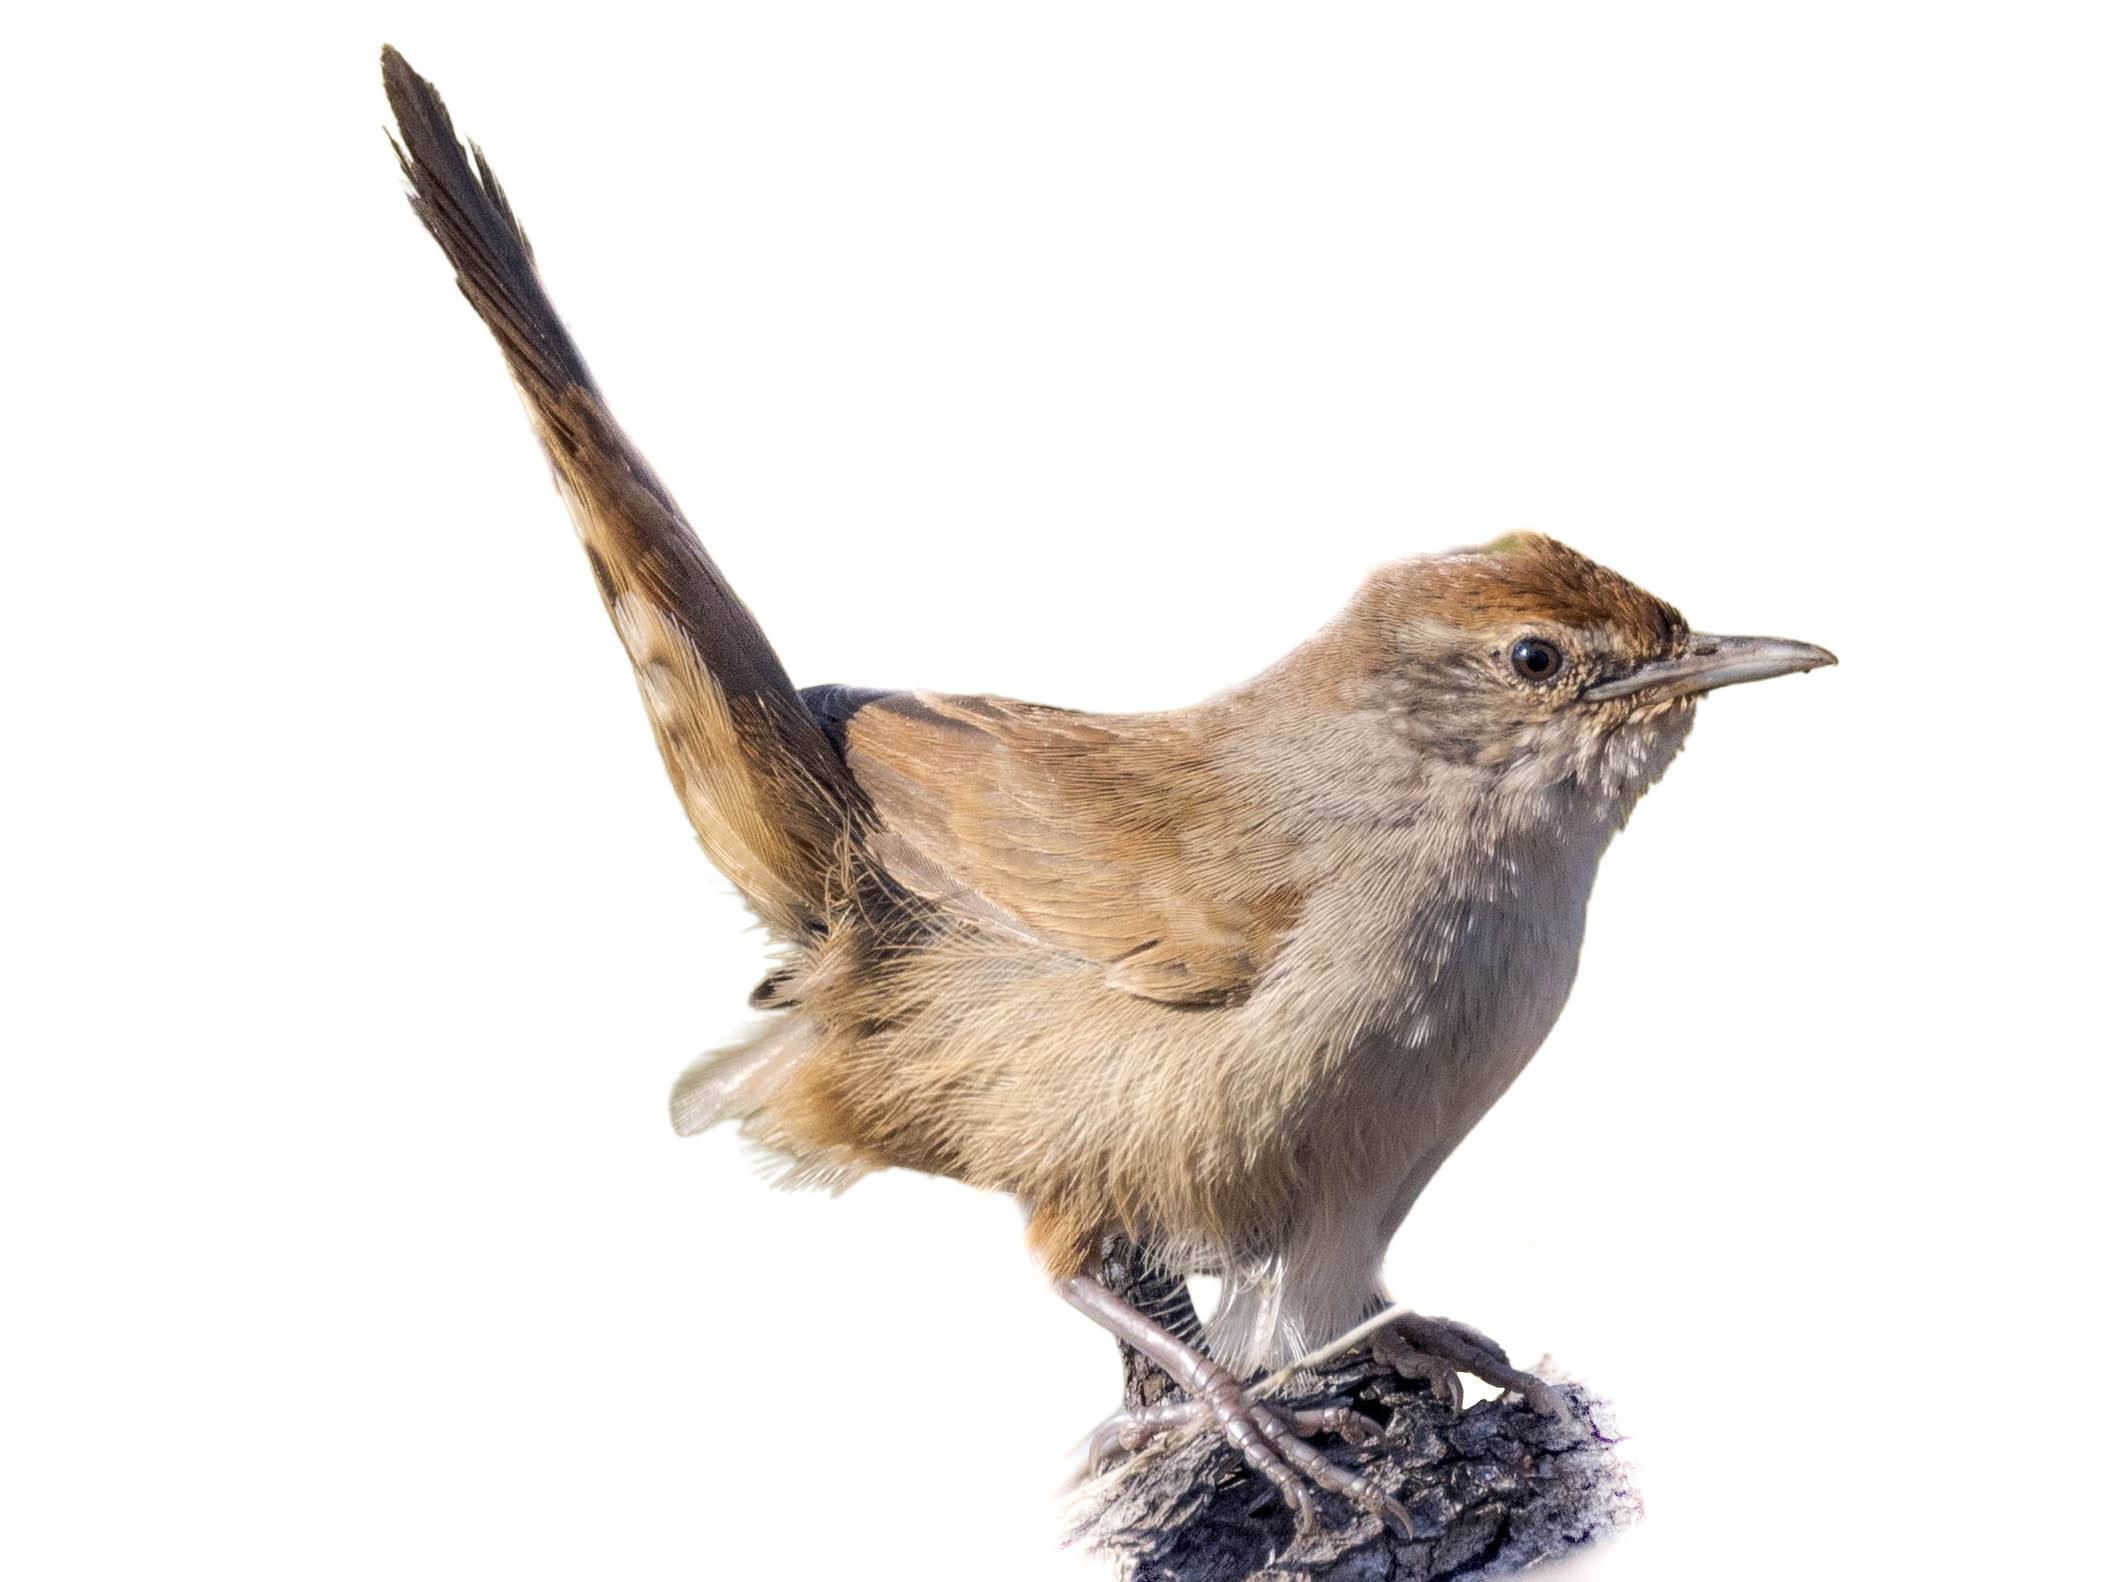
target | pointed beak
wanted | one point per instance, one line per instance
(1712, 662)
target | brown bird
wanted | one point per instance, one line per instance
(1230, 980)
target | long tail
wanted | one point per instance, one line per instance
(766, 791)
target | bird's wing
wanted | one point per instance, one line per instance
(1111, 837)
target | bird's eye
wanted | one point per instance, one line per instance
(1535, 659)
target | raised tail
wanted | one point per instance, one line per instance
(766, 791)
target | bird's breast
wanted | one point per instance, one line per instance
(1416, 1007)
(1426, 991)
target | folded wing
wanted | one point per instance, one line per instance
(1110, 837)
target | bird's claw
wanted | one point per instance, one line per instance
(1125, 1433)
(1344, 1421)
(1408, 1362)
(1438, 1349)
(1273, 1442)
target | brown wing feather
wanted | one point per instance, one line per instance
(1108, 836)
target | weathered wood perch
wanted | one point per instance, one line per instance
(1491, 1490)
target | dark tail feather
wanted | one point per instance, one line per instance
(467, 214)
(766, 791)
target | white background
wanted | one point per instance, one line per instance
(1088, 353)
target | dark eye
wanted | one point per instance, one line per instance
(1535, 659)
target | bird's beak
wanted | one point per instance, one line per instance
(1711, 662)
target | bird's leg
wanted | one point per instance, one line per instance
(1130, 1274)
(1271, 1440)
(1437, 1349)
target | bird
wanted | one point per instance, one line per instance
(1229, 981)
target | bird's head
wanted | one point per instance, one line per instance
(1527, 668)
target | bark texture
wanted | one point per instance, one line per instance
(1492, 1490)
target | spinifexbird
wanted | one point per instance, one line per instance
(1230, 981)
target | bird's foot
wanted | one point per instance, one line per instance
(1438, 1349)
(1273, 1440)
